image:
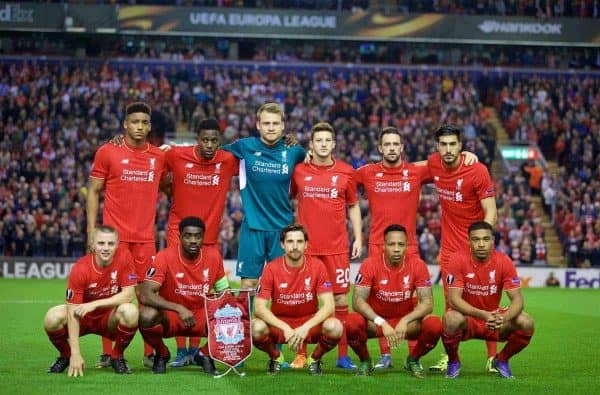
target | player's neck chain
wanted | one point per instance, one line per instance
(185, 261)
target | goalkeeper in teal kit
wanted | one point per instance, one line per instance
(266, 168)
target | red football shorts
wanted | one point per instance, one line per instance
(96, 324)
(143, 255)
(313, 337)
(338, 271)
(176, 327)
(477, 329)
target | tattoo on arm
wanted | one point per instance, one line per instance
(423, 293)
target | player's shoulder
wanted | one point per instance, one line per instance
(166, 254)
(501, 258)
(415, 260)
(82, 264)
(225, 156)
(368, 168)
(155, 151)
(369, 262)
(109, 149)
(344, 167)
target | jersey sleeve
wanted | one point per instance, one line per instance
(236, 148)
(101, 165)
(299, 154)
(293, 185)
(511, 279)
(433, 159)
(127, 275)
(323, 281)
(221, 281)
(76, 285)
(454, 277)
(359, 176)
(351, 190)
(422, 277)
(234, 164)
(484, 186)
(158, 269)
(265, 284)
(365, 275)
(425, 175)
(170, 160)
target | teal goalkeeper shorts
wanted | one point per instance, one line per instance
(256, 247)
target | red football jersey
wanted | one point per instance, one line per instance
(393, 195)
(293, 291)
(186, 282)
(482, 283)
(323, 193)
(131, 179)
(199, 187)
(88, 281)
(460, 192)
(392, 288)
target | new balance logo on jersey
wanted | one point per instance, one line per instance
(189, 165)
(152, 162)
(125, 161)
(92, 285)
(307, 178)
(379, 175)
(436, 178)
(179, 275)
(384, 281)
(283, 285)
(470, 275)
(258, 153)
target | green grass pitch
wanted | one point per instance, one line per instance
(561, 359)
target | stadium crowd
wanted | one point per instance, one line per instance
(54, 117)
(562, 116)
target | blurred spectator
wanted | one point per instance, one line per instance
(552, 281)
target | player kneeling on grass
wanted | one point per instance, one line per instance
(173, 293)
(384, 306)
(475, 282)
(295, 283)
(100, 288)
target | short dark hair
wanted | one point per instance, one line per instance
(322, 127)
(388, 130)
(208, 124)
(448, 129)
(293, 228)
(481, 225)
(394, 228)
(138, 106)
(191, 221)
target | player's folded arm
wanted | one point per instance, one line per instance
(516, 303)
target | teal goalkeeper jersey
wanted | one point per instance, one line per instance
(265, 176)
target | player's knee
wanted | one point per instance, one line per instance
(452, 320)
(259, 328)
(128, 314)
(525, 322)
(149, 316)
(332, 327)
(56, 317)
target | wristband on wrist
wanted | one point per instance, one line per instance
(379, 321)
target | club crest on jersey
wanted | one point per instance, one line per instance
(284, 156)
(405, 173)
(334, 180)
(307, 283)
(151, 272)
(113, 275)
(218, 167)
(459, 183)
(492, 276)
(152, 163)
(229, 327)
(406, 281)
(205, 274)
(69, 294)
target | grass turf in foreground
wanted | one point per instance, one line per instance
(560, 359)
